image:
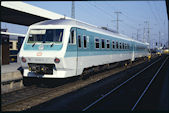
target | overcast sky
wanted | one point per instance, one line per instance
(101, 13)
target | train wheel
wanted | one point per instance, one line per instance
(83, 77)
(145, 58)
(26, 81)
(130, 62)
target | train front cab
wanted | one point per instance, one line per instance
(36, 54)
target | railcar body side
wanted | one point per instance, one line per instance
(91, 56)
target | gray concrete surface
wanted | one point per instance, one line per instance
(9, 73)
(12, 67)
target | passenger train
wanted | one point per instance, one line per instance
(64, 48)
(13, 50)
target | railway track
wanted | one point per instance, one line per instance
(32, 96)
(79, 99)
(116, 99)
(25, 93)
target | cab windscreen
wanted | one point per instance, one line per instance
(45, 36)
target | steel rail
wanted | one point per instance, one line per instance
(105, 95)
(148, 85)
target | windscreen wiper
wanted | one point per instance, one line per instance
(33, 44)
(52, 44)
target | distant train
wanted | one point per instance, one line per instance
(14, 48)
(65, 48)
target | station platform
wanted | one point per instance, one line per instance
(12, 67)
(10, 72)
(11, 77)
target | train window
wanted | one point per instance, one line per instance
(127, 46)
(79, 41)
(96, 43)
(117, 45)
(45, 35)
(103, 44)
(72, 39)
(10, 45)
(16, 45)
(113, 44)
(85, 41)
(53, 35)
(123, 46)
(120, 45)
(108, 44)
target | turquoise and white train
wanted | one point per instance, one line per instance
(64, 48)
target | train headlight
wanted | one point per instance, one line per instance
(23, 59)
(57, 60)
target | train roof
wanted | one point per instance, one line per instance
(77, 23)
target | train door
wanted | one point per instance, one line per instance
(80, 49)
(71, 52)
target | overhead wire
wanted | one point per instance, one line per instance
(128, 18)
(161, 25)
(152, 12)
(94, 5)
(89, 13)
(109, 15)
(157, 10)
